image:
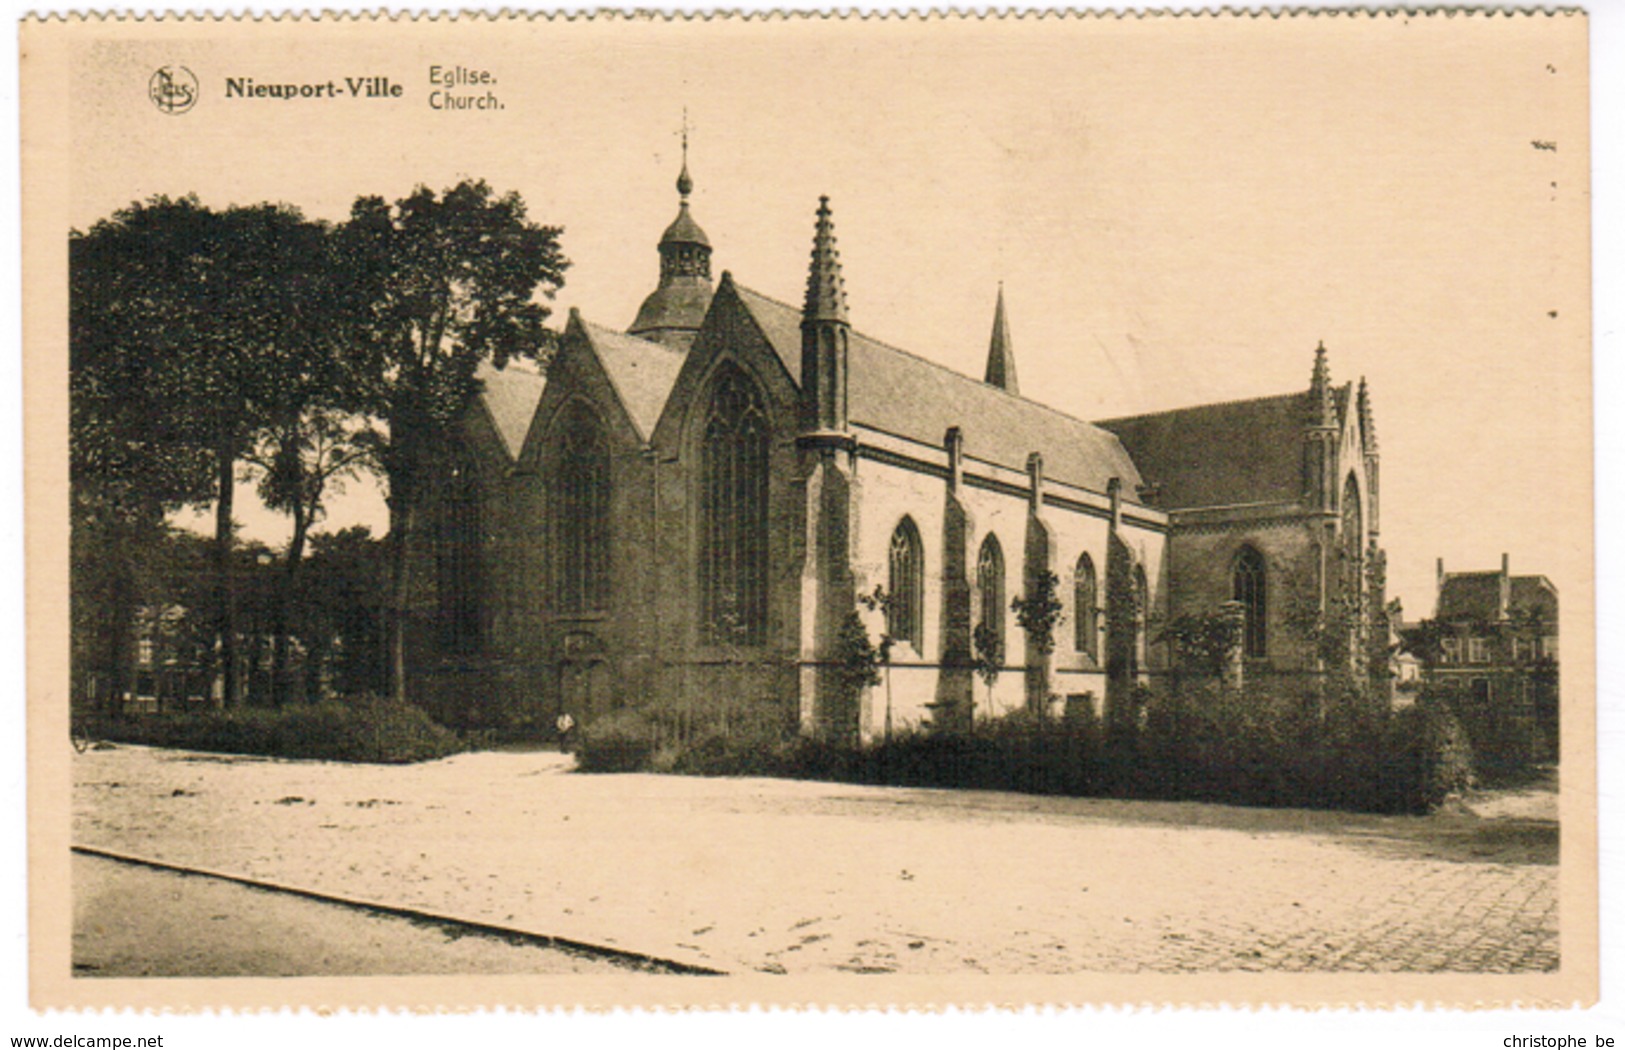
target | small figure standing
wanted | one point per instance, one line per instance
(566, 726)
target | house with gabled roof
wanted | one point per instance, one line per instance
(687, 512)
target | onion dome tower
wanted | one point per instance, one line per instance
(674, 310)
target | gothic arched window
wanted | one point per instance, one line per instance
(581, 514)
(990, 586)
(733, 513)
(457, 556)
(905, 615)
(1086, 608)
(1248, 588)
(1353, 548)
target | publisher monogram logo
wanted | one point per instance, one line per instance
(173, 89)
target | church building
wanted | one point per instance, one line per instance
(686, 511)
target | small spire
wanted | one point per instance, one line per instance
(1322, 409)
(826, 291)
(1368, 422)
(1001, 353)
(685, 184)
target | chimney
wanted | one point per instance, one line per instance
(1504, 599)
(1114, 491)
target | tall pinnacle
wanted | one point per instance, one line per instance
(826, 292)
(1368, 421)
(1322, 411)
(1001, 353)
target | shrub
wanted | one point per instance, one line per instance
(364, 729)
(1282, 743)
(621, 742)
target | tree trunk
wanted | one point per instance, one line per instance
(400, 527)
(280, 690)
(225, 587)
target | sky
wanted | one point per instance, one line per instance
(1178, 213)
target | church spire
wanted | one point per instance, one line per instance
(1001, 353)
(826, 291)
(824, 337)
(673, 311)
(1322, 409)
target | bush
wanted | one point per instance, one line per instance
(1284, 743)
(366, 729)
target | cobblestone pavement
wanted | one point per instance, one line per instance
(783, 876)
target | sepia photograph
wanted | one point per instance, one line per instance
(939, 510)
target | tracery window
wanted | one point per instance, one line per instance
(1249, 588)
(457, 557)
(1086, 608)
(905, 615)
(581, 493)
(990, 586)
(733, 513)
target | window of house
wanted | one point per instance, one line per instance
(733, 513)
(905, 615)
(990, 586)
(1450, 650)
(1481, 690)
(143, 652)
(581, 514)
(1248, 588)
(1478, 651)
(457, 556)
(1548, 647)
(1086, 608)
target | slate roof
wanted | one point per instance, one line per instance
(1234, 452)
(510, 396)
(894, 391)
(642, 372)
(1476, 595)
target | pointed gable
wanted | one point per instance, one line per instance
(509, 397)
(640, 371)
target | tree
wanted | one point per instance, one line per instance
(1203, 642)
(305, 455)
(987, 659)
(879, 601)
(1039, 612)
(227, 317)
(439, 285)
(132, 460)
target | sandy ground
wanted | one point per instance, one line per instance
(138, 922)
(781, 876)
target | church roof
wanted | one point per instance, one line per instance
(684, 230)
(1477, 595)
(641, 371)
(510, 396)
(1218, 455)
(894, 391)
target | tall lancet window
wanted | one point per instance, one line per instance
(990, 586)
(1248, 587)
(581, 514)
(457, 555)
(733, 513)
(1086, 608)
(905, 616)
(1353, 548)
